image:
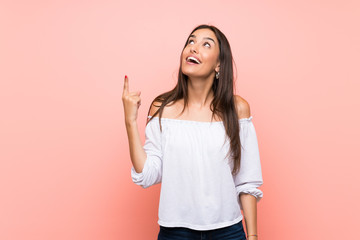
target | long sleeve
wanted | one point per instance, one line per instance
(249, 177)
(152, 171)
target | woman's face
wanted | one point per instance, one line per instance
(204, 46)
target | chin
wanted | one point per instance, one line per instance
(192, 73)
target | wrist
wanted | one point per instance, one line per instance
(252, 237)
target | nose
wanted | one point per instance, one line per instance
(193, 48)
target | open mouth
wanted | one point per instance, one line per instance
(193, 60)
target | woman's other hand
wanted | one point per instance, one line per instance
(131, 102)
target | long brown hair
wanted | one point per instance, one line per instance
(223, 103)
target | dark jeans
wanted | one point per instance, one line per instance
(233, 232)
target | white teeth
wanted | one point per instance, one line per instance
(193, 59)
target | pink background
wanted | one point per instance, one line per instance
(65, 165)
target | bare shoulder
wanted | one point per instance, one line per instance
(171, 110)
(154, 107)
(242, 107)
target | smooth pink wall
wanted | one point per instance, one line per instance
(64, 160)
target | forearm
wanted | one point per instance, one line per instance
(137, 153)
(249, 206)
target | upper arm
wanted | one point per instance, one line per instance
(242, 107)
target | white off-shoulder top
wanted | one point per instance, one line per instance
(188, 157)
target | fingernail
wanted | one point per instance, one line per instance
(125, 76)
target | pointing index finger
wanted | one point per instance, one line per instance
(126, 85)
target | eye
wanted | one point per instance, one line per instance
(190, 41)
(207, 44)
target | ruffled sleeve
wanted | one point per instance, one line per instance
(152, 171)
(249, 177)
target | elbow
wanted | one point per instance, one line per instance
(139, 179)
(151, 173)
(251, 188)
(257, 193)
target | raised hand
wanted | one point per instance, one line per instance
(131, 102)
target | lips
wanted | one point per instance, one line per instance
(193, 59)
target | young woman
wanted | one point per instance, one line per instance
(201, 144)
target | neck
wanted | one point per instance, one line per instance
(199, 92)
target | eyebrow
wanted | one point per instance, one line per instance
(192, 35)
